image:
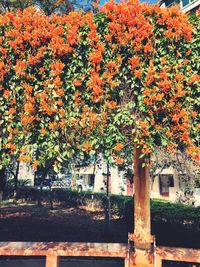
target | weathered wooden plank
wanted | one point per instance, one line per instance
(64, 249)
(177, 254)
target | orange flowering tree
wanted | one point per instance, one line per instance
(73, 85)
(81, 82)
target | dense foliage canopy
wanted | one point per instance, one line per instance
(74, 84)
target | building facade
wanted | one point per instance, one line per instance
(185, 5)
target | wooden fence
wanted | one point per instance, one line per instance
(53, 251)
(176, 254)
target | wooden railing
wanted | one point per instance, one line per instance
(53, 251)
(176, 254)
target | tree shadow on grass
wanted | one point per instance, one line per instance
(32, 223)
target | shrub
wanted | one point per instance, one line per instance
(174, 213)
(120, 204)
(161, 211)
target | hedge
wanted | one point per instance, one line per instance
(174, 213)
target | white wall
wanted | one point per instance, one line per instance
(26, 172)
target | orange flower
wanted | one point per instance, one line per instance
(165, 85)
(198, 12)
(28, 107)
(62, 123)
(118, 147)
(28, 88)
(147, 92)
(13, 147)
(15, 130)
(119, 161)
(179, 76)
(194, 78)
(143, 124)
(60, 103)
(138, 73)
(41, 69)
(185, 137)
(27, 119)
(85, 109)
(27, 158)
(20, 66)
(135, 62)
(168, 133)
(35, 164)
(52, 125)
(164, 75)
(87, 146)
(62, 112)
(13, 101)
(95, 57)
(147, 48)
(77, 82)
(6, 94)
(194, 114)
(163, 60)
(111, 64)
(12, 111)
(77, 100)
(60, 92)
(57, 81)
(196, 158)
(159, 97)
(43, 131)
(108, 37)
(24, 150)
(146, 150)
(57, 67)
(188, 52)
(111, 104)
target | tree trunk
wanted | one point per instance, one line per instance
(51, 197)
(2, 181)
(16, 181)
(39, 196)
(16, 176)
(142, 222)
(107, 210)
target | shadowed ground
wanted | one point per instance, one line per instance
(28, 222)
(32, 223)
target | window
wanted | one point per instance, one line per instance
(171, 2)
(186, 2)
(166, 181)
(171, 180)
